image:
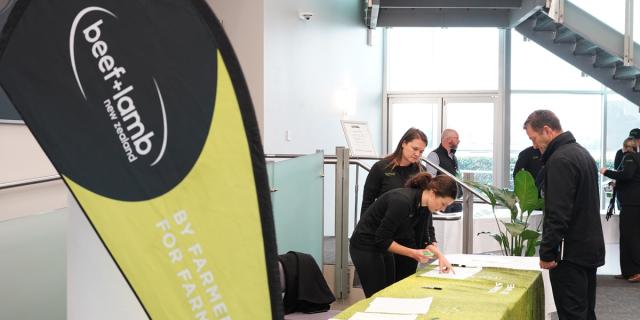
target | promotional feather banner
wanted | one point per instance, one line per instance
(142, 108)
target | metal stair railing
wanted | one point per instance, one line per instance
(589, 44)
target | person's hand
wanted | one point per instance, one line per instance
(419, 255)
(602, 170)
(445, 266)
(548, 264)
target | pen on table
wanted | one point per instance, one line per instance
(431, 287)
(460, 265)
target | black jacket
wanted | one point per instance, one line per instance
(572, 208)
(529, 160)
(618, 159)
(305, 287)
(627, 179)
(383, 178)
(395, 216)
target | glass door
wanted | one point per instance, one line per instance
(472, 118)
(421, 113)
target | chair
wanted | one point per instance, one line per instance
(306, 295)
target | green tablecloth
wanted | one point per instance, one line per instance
(470, 298)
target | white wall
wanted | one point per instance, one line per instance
(243, 22)
(22, 158)
(311, 69)
(308, 64)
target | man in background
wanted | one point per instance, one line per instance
(445, 157)
(529, 160)
(572, 245)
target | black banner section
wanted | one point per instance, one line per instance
(7, 111)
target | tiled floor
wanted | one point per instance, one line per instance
(355, 294)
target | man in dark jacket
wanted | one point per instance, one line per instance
(572, 246)
(529, 160)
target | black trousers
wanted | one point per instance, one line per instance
(574, 291)
(405, 266)
(376, 269)
(630, 240)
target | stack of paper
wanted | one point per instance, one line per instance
(400, 305)
(394, 309)
(461, 273)
(382, 316)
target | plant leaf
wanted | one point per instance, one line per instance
(526, 191)
(531, 247)
(529, 234)
(514, 229)
(485, 189)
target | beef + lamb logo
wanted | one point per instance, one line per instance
(138, 140)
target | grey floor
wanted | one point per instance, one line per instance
(617, 299)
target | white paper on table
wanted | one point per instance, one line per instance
(382, 316)
(400, 305)
(461, 273)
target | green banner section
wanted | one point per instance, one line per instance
(493, 293)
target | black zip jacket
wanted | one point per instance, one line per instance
(395, 216)
(627, 179)
(572, 208)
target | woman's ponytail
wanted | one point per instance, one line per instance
(442, 185)
(420, 181)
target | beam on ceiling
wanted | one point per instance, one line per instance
(443, 18)
(466, 4)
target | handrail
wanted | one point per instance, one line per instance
(456, 179)
(26, 182)
(360, 164)
(326, 156)
(330, 159)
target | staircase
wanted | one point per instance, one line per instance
(573, 34)
(589, 45)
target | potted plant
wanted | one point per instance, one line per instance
(515, 237)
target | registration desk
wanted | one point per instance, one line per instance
(505, 288)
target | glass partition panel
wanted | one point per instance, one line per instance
(297, 199)
(33, 272)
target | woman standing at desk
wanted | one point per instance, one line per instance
(400, 223)
(628, 189)
(392, 172)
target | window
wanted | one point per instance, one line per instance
(578, 113)
(622, 116)
(535, 68)
(436, 59)
(472, 118)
